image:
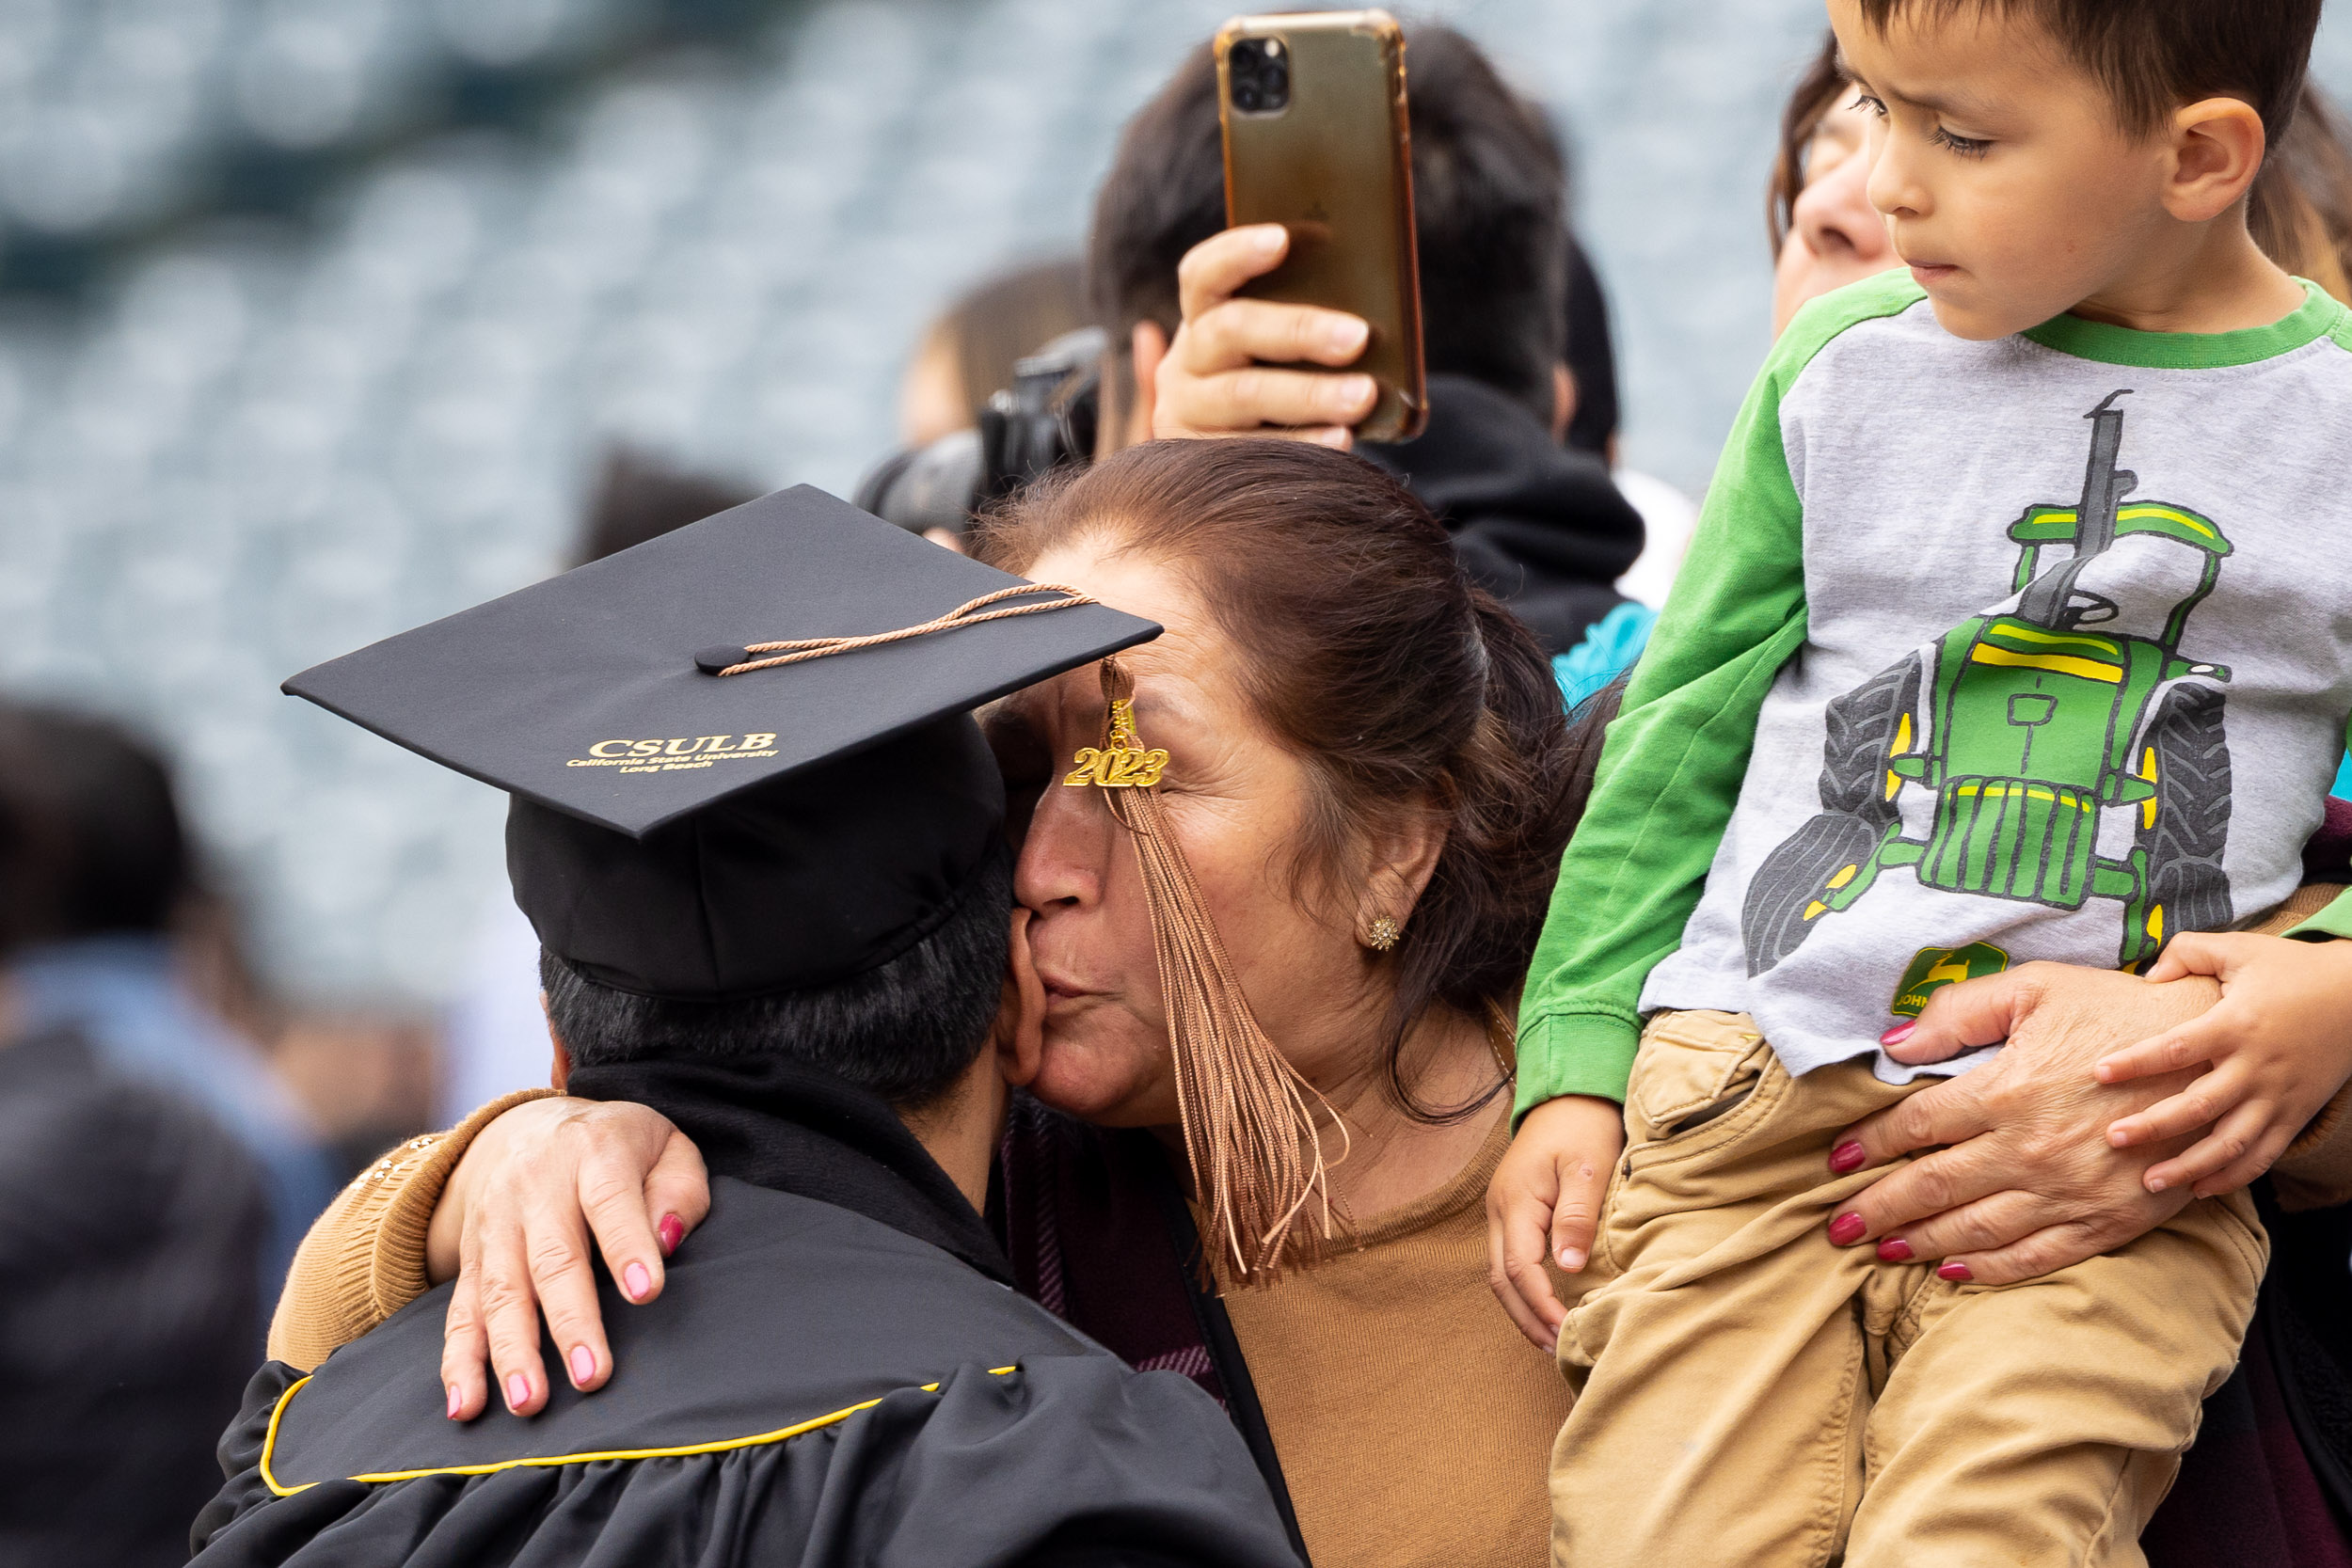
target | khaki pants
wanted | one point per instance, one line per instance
(1749, 1394)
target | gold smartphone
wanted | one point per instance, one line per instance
(1316, 139)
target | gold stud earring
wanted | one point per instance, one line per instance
(1382, 935)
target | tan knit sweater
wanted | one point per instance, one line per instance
(364, 1258)
(1415, 1425)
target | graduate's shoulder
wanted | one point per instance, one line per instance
(798, 1350)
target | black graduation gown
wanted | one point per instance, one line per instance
(814, 1387)
(1540, 526)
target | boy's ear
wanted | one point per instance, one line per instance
(2217, 151)
(560, 1070)
(1020, 1036)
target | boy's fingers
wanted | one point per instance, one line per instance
(2272, 1143)
(2192, 953)
(1576, 1217)
(465, 1349)
(1515, 1271)
(1245, 331)
(2206, 1101)
(2191, 1044)
(2236, 1138)
(1213, 269)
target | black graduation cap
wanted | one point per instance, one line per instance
(700, 816)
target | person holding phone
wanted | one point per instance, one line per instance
(1537, 521)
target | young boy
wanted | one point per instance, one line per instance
(2016, 629)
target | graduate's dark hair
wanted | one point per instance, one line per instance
(1368, 653)
(2153, 56)
(906, 1030)
(1490, 203)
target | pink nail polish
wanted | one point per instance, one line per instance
(637, 1281)
(1846, 1229)
(583, 1365)
(457, 1401)
(1846, 1157)
(517, 1391)
(670, 1232)
(1894, 1250)
(1898, 1033)
(1957, 1273)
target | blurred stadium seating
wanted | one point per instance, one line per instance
(314, 315)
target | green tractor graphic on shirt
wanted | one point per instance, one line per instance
(2027, 727)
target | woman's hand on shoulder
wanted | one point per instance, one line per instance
(514, 1226)
(1545, 1202)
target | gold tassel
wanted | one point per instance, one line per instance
(1249, 1116)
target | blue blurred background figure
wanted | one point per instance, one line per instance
(103, 961)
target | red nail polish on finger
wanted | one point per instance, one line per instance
(457, 1401)
(1846, 1157)
(1846, 1229)
(1894, 1250)
(670, 1232)
(1898, 1033)
(1957, 1273)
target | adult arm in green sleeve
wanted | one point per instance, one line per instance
(1672, 767)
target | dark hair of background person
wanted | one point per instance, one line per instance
(1592, 358)
(2153, 56)
(1004, 318)
(905, 1031)
(639, 498)
(1369, 654)
(2300, 210)
(111, 854)
(1490, 200)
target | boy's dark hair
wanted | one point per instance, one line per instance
(1490, 196)
(905, 1031)
(2154, 55)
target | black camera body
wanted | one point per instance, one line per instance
(1048, 417)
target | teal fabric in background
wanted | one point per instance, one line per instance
(1607, 651)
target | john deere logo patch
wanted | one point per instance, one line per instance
(1933, 968)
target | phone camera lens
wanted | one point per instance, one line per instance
(1248, 55)
(1246, 98)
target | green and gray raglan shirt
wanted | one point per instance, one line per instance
(1983, 652)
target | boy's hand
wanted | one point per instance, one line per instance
(1545, 1199)
(2280, 1043)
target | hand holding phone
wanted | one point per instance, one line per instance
(1319, 265)
(1218, 376)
